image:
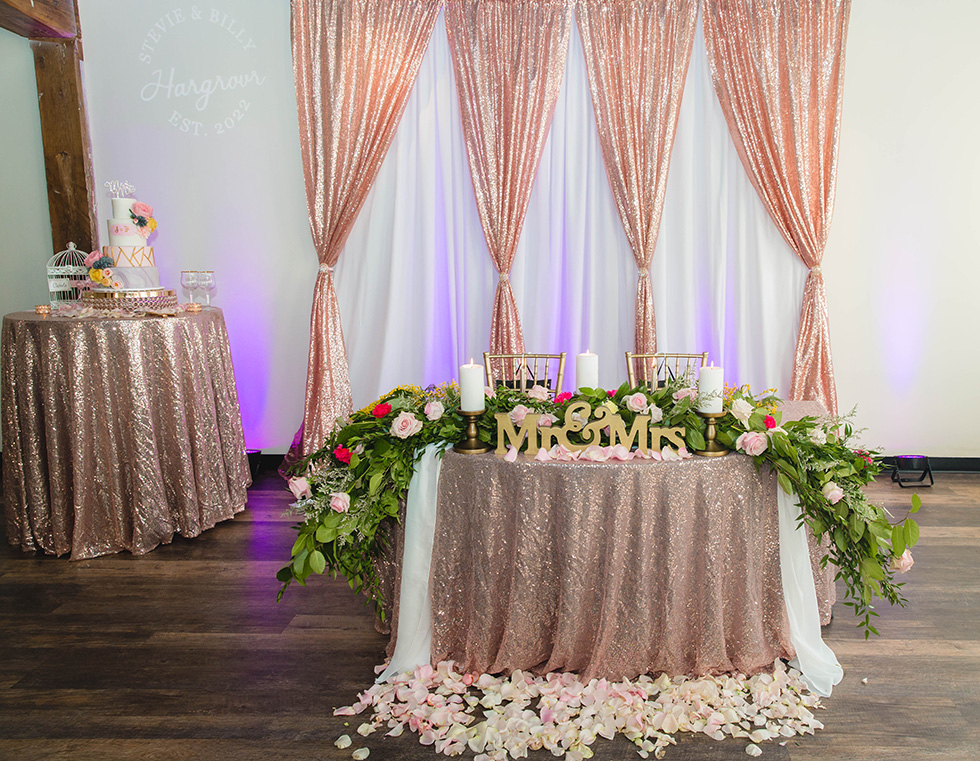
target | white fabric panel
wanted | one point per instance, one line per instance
(414, 641)
(416, 284)
(814, 658)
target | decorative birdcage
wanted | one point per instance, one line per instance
(66, 270)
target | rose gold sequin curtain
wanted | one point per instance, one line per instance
(637, 55)
(778, 69)
(354, 62)
(508, 57)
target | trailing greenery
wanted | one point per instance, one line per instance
(354, 483)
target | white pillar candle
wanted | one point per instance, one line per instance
(472, 382)
(587, 370)
(711, 384)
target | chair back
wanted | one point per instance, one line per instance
(656, 369)
(525, 370)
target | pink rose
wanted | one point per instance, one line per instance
(538, 392)
(752, 443)
(832, 492)
(339, 502)
(300, 488)
(381, 410)
(405, 424)
(434, 410)
(141, 209)
(685, 393)
(564, 396)
(107, 274)
(903, 563)
(547, 420)
(636, 402)
(489, 392)
(92, 258)
(519, 413)
(742, 410)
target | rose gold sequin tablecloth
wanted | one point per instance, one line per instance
(608, 569)
(118, 433)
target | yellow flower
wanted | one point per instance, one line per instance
(152, 224)
(95, 275)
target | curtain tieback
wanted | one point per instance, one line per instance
(816, 270)
(504, 277)
(326, 268)
(644, 274)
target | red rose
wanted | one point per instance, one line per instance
(381, 410)
(564, 396)
(770, 421)
(342, 454)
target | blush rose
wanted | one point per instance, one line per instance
(405, 424)
(832, 492)
(434, 410)
(742, 410)
(300, 488)
(753, 443)
(339, 502)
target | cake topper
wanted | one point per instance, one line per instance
(120, 188)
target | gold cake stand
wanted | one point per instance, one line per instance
(147, 298)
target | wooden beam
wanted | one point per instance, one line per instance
(39, 18)
(67, 149)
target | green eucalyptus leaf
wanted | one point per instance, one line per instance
(785, 483)
(916, 503)
(898, 539)
(911, 532)
(318, 563)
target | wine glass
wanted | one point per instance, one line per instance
(189, 282)
(205, 282)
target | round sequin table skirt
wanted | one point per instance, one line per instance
(609, 569)
(118, 433)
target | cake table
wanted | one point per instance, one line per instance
(118, 432)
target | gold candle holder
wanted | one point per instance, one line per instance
(471, 444)
(42, 309)
(712, 447)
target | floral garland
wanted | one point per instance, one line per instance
(355, 481)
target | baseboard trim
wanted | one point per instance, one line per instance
(945, 464)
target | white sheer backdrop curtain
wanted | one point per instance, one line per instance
(415, 299)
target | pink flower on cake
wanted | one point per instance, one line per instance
(434, 409)
(92, 258)
(752, 443)
(538, 392)
(832, 492)
(903, 563)
(107, 274)
(339, 502)
(141, 209)
(300, 488)
(405, 425)
(636, 402)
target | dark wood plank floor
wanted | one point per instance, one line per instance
(184, 653)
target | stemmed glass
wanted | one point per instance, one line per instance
(189, 282)
(205, 282)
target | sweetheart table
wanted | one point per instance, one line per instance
(609, 569)
(118, 432)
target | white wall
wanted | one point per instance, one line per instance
(25, 228)
(900, 265)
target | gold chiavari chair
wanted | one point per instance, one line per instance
(525, 370)
(657, 369)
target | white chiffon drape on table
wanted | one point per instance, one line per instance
(416, 298)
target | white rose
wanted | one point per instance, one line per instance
(538, 392)
(818, 436)
(656, 414)
(742, 410)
